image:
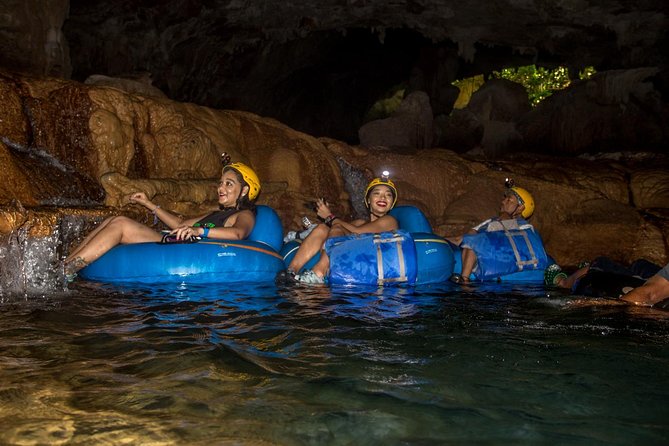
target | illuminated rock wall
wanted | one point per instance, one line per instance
(72, 148)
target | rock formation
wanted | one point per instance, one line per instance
(91, 145)
(318, 66)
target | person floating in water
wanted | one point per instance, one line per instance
(237, 191)
(380, 198)
(642, 283)
(480, 250)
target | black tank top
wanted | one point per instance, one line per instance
(216, 219)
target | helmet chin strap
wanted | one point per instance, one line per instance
(513, 214)
(369, 208)
(239, 199)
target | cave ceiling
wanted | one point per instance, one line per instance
(319, 65)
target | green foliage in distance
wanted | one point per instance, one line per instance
(586, 73)
(467, 88)
(538, 81)
(387, 105)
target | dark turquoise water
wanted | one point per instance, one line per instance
(311, 366)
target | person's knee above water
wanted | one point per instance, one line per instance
(380, 197)
(237, 191)
(517, 205)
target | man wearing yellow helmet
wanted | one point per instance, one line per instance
(517, 205)
(380, 198)
(237, 191)
(523, 198)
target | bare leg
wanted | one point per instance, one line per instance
(88, 238)
(322, 267)
(468, 263)
(309, 247)
(114, 231)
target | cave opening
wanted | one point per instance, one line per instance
(323, 83)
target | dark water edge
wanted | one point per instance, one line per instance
(308, 366)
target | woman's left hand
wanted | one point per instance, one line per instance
(186, 232)
(322, 208)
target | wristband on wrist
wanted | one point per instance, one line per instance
(205, 232)
(330, 218)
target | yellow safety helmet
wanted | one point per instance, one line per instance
(522, 195)
(249, 176)
(383, 181)
(524, 198)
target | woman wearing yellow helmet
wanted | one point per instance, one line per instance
(380, 198)
(237, 191)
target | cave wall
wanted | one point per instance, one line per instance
(319, 66)
(32, 39)
(126, 142)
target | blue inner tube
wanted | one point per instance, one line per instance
(202, 262)
(357, 259)
(207, 261)
(528, 276)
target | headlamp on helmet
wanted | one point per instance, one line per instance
(522, 195)
(383, 180)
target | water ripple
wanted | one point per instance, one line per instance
(184, 364)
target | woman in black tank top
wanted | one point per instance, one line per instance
(237, 191)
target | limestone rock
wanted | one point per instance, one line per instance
(650, 188)
(460, 131)
(499, 100)
(411, 126)
(32, 37)
(13, 125)
(12, 217)
(608, 178)
(319, 66)
(613, 111)
(141, 85)
(497, 105)
(97, 139)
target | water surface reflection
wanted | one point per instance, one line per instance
(184, 364)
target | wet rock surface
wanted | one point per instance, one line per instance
(122, 142)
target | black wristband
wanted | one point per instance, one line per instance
(330, 218)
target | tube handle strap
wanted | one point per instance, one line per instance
(533, 257)
(519, 262)
(379, 261)
(397, 239)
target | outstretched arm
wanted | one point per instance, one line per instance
(653, 291)
(166, 217)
